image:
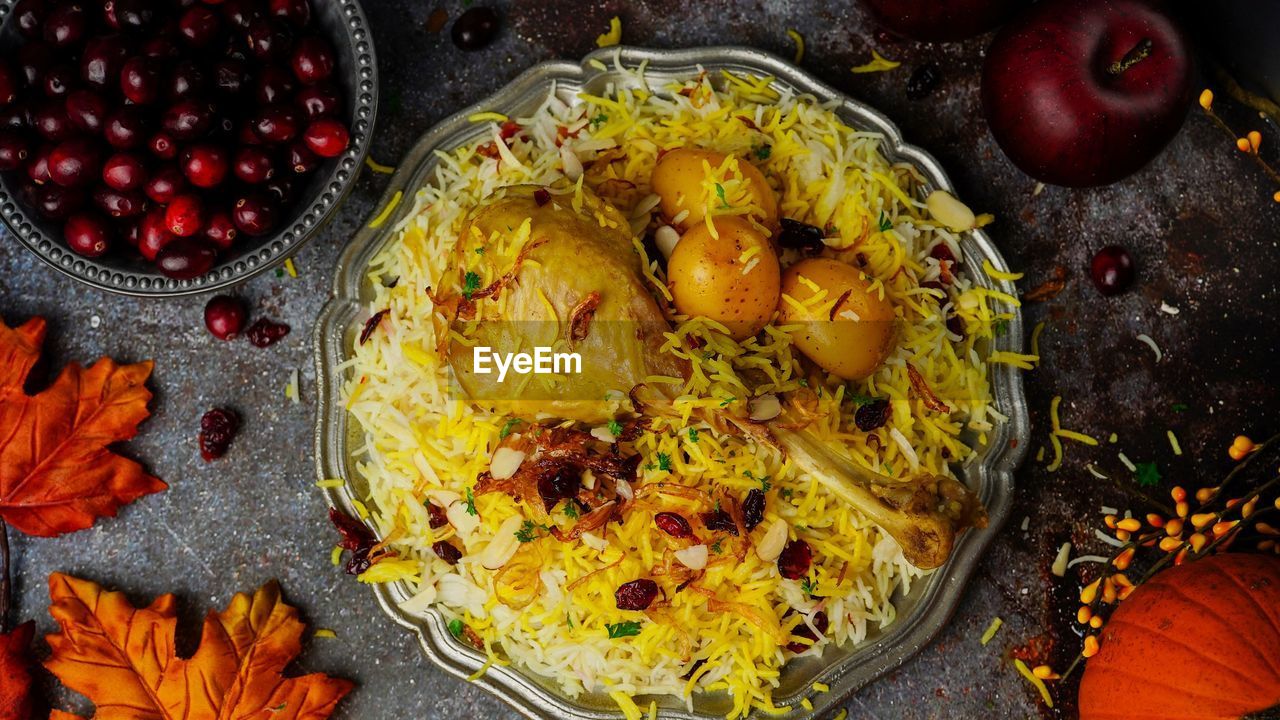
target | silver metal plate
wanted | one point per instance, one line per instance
(921, 613)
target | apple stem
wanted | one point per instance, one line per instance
(1139, 53)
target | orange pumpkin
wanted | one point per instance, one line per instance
(1195, 642)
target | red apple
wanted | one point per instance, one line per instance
(941, 20)
(1086, 92)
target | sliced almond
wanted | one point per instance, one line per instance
(765, 407)
(443, 498)
(624, 490)
(572, 165)
(420, 602)
(666, 238)
(503, 546)
(595, 542)
(694, 558)
(946, 209)
(462, 521)
(603, 434)
(774, 539)
(506, 461)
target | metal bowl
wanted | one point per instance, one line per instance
(921, 613)
(343, 22)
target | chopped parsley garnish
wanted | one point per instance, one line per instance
(785, 493)
(599, 120)
(860, 400)
(763, 152)
(804, 382)
(664, 461)
(727, 401)
(765, 484)
(568, 620)
(1148, 474)
(720, 193)
(455, 627)
(807, 586)
(470, 284)
(623, 629)
(693, 434)
(279, 272)
(527, 532)
(615, 428)
(716, 547)
(506, 427)
(1181, 407)
(571, 510)
(885, 223)
(1000, 327)
(471, 502)
(480, 251)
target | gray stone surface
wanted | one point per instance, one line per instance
(1199, 222)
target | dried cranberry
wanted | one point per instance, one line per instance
(541, 196)
(447, 552)
(438, 517)
(801, 236)
(923, 81)
(753, 509)
(720, 520)
(802, 631)
(217, 428)
(941, 252)
(561, 485)
(266, 332)
(672, 524)
(356, 537)
(872, 415)
(793, 563)
(636, 595)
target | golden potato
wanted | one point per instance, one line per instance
(678, 179)
(850, 339)
(732, 279)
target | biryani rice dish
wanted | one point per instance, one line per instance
(753, 558)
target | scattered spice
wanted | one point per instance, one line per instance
(217, 429)
(372, 324)
(580, 316)
(623, 629)
(922, 389)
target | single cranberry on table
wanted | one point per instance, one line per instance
(185, 215)
(225, 316)
(186, 258)
(264, 332)
(124, 171)
(218, 428)
(475, 28)
(1112, 270)
(88, 234)
(327, 137)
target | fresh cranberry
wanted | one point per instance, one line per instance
(86, 110)
(275, 85)
(119, 204)
(220, 231)
(75, 162)
(224, 316)
(327, 137)
(241, 13)
(254, 215)
(124, 172)
(101, 61)
(794, 561)
(87, 234)
(8, 83)
(55, 202)
(29, 17)
(802, 630)
(1112, 270)
(268, 39)
(58, 81)
(253, 165)
(319, 101)
(560, 485)
(278, 190)
(447, 551)
(199, 25)
(277, 124)
(66, 25)
(52, 122)
(673, 524)
(126, 127)
(38, 167)
(753, 509)
(636, 595)
(16, 116)
(162, 47)
(312, 60)
(34, 58)
(13, 150)
(218, 428)
(140, 80)
(187, 119)
(297, 12)
(188, 81)
(266, 332)
(133, 14)
(131, 231)
(301, 159)
(153, 233)
(229, 76)
(186, 258)
(205, 165)
(165, 184)
(185, 215)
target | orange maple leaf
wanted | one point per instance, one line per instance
(123, 658)
(57, 473)
(15, 673)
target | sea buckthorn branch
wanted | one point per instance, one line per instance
(1248, 144)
